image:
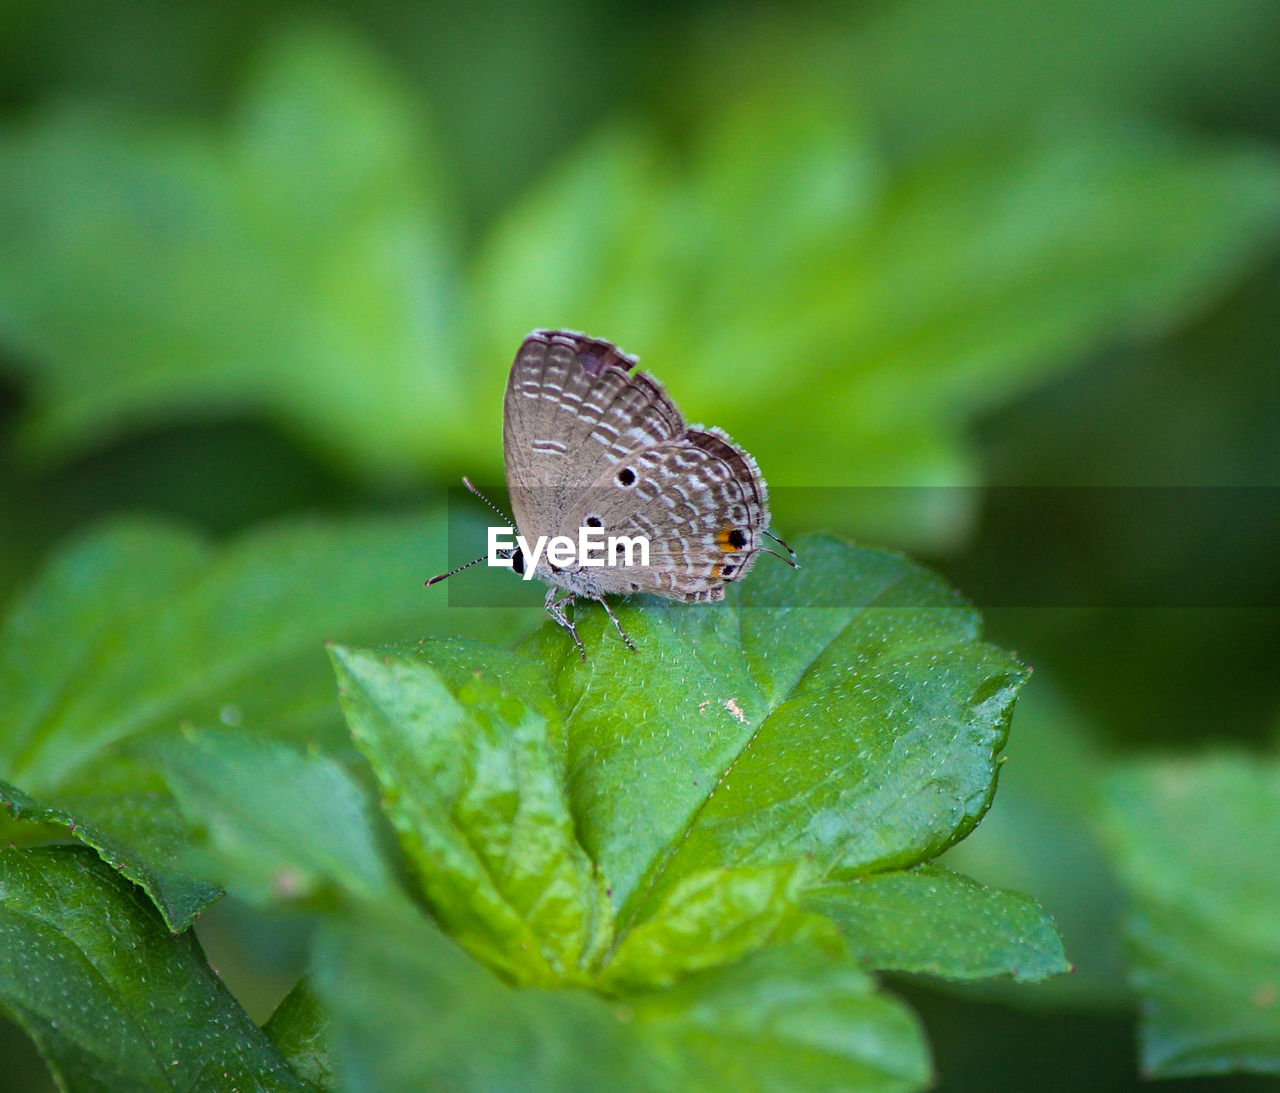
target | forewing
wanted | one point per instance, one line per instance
(571, 410)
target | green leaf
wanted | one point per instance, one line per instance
(931, 920)
(300, 262)
(471, 765)
(785, 1019)
(743, 750)
(1197, 846)
(122, 808)
(296, 262)
(998, 60)
(913, 297)
(858, 737)
(714, 918)
(112, 999)
(282, 826)
(1033, 841)
(299, 1028)
(194, 633)
(410, 1011)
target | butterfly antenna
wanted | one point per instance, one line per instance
(467, 482)
(442, 576)
(474, 561)
(792, 561)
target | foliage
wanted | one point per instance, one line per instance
(680, 857)
(257, 265)
(112, 999)
(783, 249)
(1198, 849)
(193, 634)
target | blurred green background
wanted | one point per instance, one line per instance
(265, 260)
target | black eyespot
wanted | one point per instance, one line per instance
(517, 561)
(594, 522)
(626, 476)
(728, 571)
(738, 538)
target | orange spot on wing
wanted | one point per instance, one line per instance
(724, 542)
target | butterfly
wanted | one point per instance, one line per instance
(589, 444)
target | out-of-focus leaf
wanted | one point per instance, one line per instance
(299, 1028)
(193, 633)
(410, 1011)
(297, 262)
(281, 826)
(113, 1000)
(300, 262)
(787, 265)
(203, 633)
(785, 1019)
(944, 70)
(1197, 846)
(471, 765)
(501, 125)
(931, 920)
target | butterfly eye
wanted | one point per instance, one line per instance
(517, 561)
(626, 477)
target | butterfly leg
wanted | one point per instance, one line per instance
(555, 608)
(618, 626)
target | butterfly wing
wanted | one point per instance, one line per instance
(585, 442)
(572, 410)
(700, 502)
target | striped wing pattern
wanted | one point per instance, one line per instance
(585, 441)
